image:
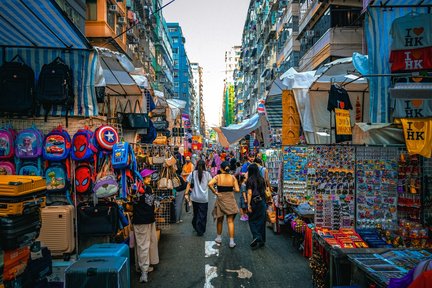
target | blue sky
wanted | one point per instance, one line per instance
(211, 27)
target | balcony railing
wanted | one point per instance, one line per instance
(341, 42)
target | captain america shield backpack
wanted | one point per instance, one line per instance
(106, 136)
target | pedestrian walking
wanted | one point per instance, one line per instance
(255, 186)
(179, 199)
(225, 205)
(144, 224)
(243, 199)
(187, 168)
(198, 182)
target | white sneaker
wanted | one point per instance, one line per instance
(144, 277)
(232, 245)
(150, 269)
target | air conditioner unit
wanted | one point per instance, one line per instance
(310, 33)
(113, 8)
(121, 20)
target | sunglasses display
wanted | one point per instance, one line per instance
(377, 173)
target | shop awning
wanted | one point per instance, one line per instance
(235, 132)
(38, 24)
(116, 68)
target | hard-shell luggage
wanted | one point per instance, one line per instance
(15, 206)
(15, 262)
(19, 231)
(57, 232)
(107, 272)
(40, 264)
(108, 250)
(18, 185)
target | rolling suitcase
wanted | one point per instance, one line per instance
(15, 262)
(57, 278)
(108, 250)
(107, 272)
(19, 193)
(57, 232)
(19, 231)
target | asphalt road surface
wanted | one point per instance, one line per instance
(187, 260)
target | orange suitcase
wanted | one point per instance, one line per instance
(57, 232)
(17, 185)
(15, 262)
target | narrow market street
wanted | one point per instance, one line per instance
(184, 259)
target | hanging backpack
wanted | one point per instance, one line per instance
(28, 144)
(123, 159)
(30, 168)
(105, 137)
(106, 184)
(55, 87)
(16, 87)
(57, 145)
(83, 148)
(57, 177)
(7, 168)
(7, 139)
(84, 177)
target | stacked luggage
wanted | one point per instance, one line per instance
(23, 262)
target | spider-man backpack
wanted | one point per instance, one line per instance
(84, 177)
(82, 145)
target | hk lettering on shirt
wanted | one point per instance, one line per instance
(413, 38)
(411, 112)
(410, 63)
(413, 133)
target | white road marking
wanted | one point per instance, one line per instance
(210, 274)
(209, 250)
(242, 273)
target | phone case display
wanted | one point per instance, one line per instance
(409, 187)
(333, 183)
(390, 264)
(376, 169)
(273, 163)
(295, 174)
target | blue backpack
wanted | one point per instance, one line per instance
(57, 177)
(57, 145)
(28, 152)
(123, 159)
(83, 148)
(30, 168)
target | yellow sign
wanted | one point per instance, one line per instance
(418, 135)
(343, 122)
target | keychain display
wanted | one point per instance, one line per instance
(295, 174)
(377, 174)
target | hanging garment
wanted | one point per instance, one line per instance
(418, 136)
(338, 98)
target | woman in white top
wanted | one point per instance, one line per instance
(198, 183)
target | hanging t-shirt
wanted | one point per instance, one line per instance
(411, 59)
(338, 98)
(418, 136)
(412, 31)
(412, 108)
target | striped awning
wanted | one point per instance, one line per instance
(273, 106)
(38, 24)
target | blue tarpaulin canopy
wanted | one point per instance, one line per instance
(38, 24)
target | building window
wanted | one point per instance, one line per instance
(91, 10)
(110, 16)
(175, 40)
(175, 50)
(184, 85)
(172, 30)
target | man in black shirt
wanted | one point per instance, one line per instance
(145, 227)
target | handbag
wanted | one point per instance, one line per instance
(101, 219)
(165, 183)
(161, 140)
(171, 161)
(135, 119)
(160, 125)
(176, 182)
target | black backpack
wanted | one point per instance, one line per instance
(55, 86)
(16, 88)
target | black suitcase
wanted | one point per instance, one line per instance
(99, 220)
(40, 268)
(19, 231)
(16, 88)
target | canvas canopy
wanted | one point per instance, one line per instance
(235, 132)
